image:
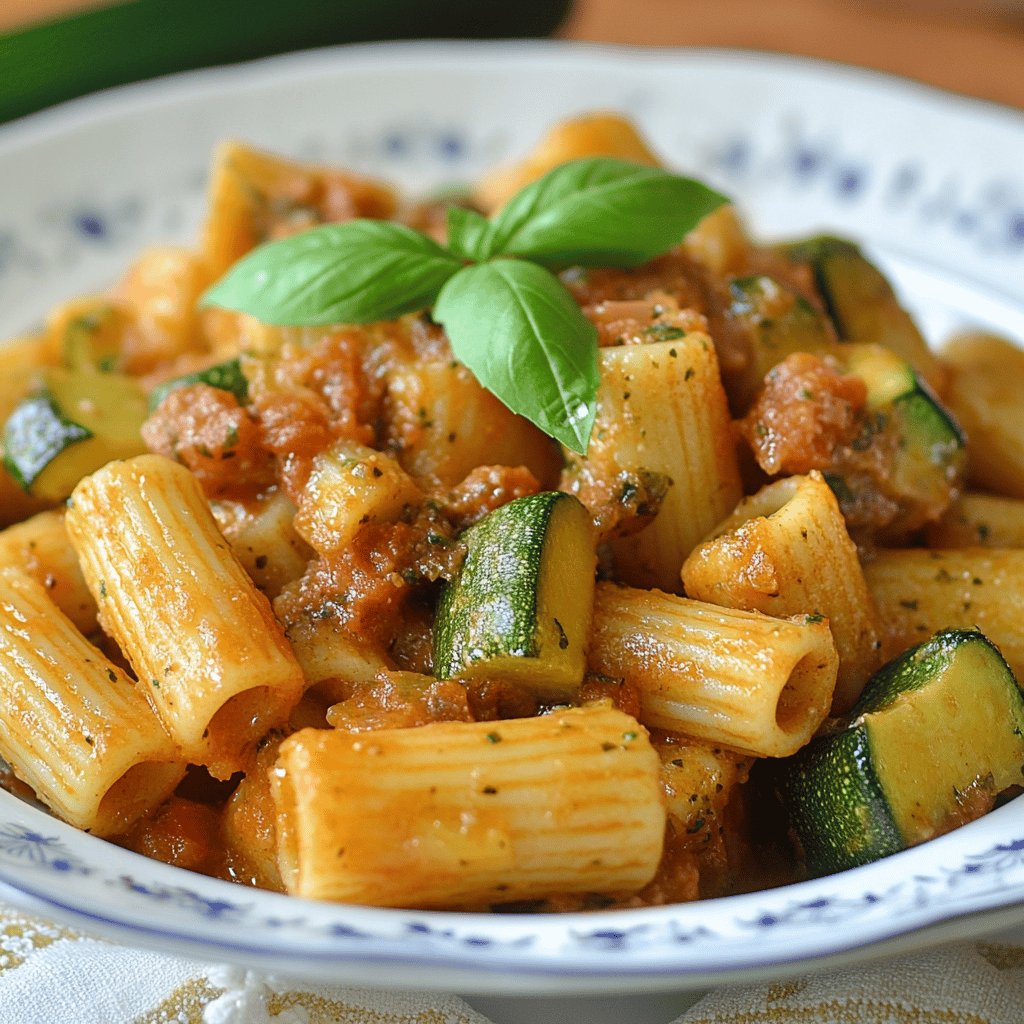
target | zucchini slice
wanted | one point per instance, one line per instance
(928, 456)
(93, 341)
(778, 322)
(937, 734)
(862, 303)
(69, 425)
(520, 608)
(226, 376)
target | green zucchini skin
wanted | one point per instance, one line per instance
(915, 668)
(837, 809)
(756, 301)
(920, 441)
(778, 323)
(861, 302)
(511, 613)
(859, 298)
(929, 437)
(69, 425)
(856, 794)
(226, 376)
(37, 433)
(488, 613)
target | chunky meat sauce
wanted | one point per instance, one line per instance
(806, 411)
(330, 385)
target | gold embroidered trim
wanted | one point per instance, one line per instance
(785, 990)
(333, 1011)
(21, 936)
(184, 1005)
(838, 1011)
(1002, 957)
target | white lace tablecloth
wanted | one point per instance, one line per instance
(52, 975)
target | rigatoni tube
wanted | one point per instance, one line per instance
(172, 594)
(446, 424)
(785, 551)
(40, 545)
(750, 682)
(460, 814)
(261, 533)
(72, 725)
(662, 410)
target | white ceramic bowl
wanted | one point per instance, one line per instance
(931, 182)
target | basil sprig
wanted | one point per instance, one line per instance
(507, 316)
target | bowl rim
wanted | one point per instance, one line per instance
(601, 969)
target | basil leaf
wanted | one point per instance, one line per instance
(600, 212)
(526, 340)
(469, 233)
(356, 272)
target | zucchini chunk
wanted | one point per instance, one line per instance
(92, 341)
(69, 425)
(937, 734)
(226, 376)
(930, 451)
(862, 303)
(777, 322)
(520, 608)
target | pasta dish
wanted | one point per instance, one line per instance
(553, 547)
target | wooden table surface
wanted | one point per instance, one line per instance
(970, 46)
(975, 47)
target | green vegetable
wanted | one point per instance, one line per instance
(929, 452)
(778, 322)
(70, 425)
(936, 735)
(92, 341)
(357, 272)
(599, 212)
(226, 376)
(521, 605)
(860, 300)
(510, 321)
(528, 311)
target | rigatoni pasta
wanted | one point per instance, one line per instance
(751, 682)
(444, 424)
(979, 520)
(463, 814)
(74, 726)
(983, 393)
(662, 411)
(41, 546)
(785, 551)
(407, 648)
(919, 591)
(262, 535)
(351, 485)
(202, 640)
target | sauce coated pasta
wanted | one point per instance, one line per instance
(302, 603)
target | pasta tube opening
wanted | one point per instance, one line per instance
(754, 683)
(240, 723)
(72, 724)
(201, 638)
(786, 551)
(801, 690)
(140, 789)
